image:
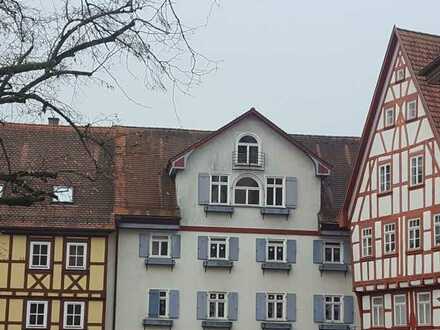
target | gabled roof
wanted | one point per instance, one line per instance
(421, 51)
(322, 168)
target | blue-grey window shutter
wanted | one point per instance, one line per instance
(202, 305)
(153, 303)
(144, 245)
(348, 309)
(291, 192)
(261, 249)
(233, 306)
(291, 307)
(318, 308)
(347, 252)
(317, 252)
(203, 188)
(233, 248)
(261, 306)
(175, 246)
(291, 251)
(202, 248)
(174, 304)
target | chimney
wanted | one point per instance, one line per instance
(53, 121)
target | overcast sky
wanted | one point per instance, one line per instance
(310, 66)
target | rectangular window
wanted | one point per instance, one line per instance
(274, 192)
(367, 242)
(378, 316)
(39, 255)
(423, 308)
(385, 178)
(62, 194)
(36, 314)
(160, 246)
(437, 230)
(390, 238)
(333, 308)
(389, 117)
(416, 170)
(400, 310)
(219, 189)
(217, 305)
(414, 234)
(411, 110)
(217, 248)
(276, 251)
(332, 252)
(2, 189)
(163, 304)
(276, 306)
(400, 74)
(73, 315)
(76, 256)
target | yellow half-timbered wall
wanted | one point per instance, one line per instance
(56, 285)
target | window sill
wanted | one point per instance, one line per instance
(247, 166)
(385, 193)
(328, 267)
(411, 252)
(334, 326)
(284, 266)
(168, 262)
(219, 209)
(216, 324)
(158, 322)
(275, 211)
(369, 258)
(417, 186)
(389, 127)
(411, 120)
(223, 264)
(390, 255)
(276, 325)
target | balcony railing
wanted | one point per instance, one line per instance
(253, 160)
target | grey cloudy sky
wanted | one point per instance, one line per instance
(310, 66)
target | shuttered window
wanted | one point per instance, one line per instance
(378, 314)
(276, 306)
(163, 303)
(219, 189)
(275, 191)
(217, 305)
(437, 230)
(333, 308)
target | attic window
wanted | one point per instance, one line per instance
(411, 110)
(389, 117)
(63, 194)
(400, 74)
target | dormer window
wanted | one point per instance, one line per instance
(248, 151)
(247, 192)
(62, 194)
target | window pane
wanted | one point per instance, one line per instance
(337, 254)
(224, 194)
(242, 154)
(247, 139)
(164, 248)
(270, 310)
(222, 251)
(271, 254)
(213, 251)
(240, 196)
(214, 193)
(253, 154)
(279, 196)
(247, 182)
(269, 196)
(254, 197)
(155, 248)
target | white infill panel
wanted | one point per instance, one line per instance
(436, 262)
(419, 264)
(436, 317)
(428, 194)
(394, 267)
(425, 132)
(379, 269)
(356, 252)
(366, 320)
(416, 198)
(379, 248)
(386, 268)
(396, 200)
(371, 270)
(365, 214)
(388, 320)
(437, 191)
(357, 272)
(427, 240)
(364, 271)
(404, 198)
(427, 264)
(410, 266)
(366, 303)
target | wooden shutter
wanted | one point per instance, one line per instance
(233, 248)
(233, 306)
(317, 252)
(175, 246)
(291, 192)
(348, 309)
(261, 250)
(202, 248)
(174, 304)
(203, 188)
(202, 305)
(291, 251)
(144, 245)
(261, 306)
(153, 303)
(318, 308)
(347, 252)
(291, 307)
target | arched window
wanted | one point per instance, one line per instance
(247, 192)
(248, 150)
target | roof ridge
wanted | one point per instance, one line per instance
(327, 136)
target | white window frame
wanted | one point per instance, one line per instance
(74, 267)
(75, 303)
(219, 184)
(212, 240)
(166, 298)
(31, 254)
(274, 186)
(377, 310)
(216, 302)
(28, 309)
(389, 121)
(153, 239)
(427, 307)
(247, 189)
(399, 73)
(413, 229)
(341, 252)
(385, 177)
(398, 309)
(417, 168)
(60, 191)
(408, 110)
(390, 236)
(275, 302)
(276, 243)
(248, 146)
(332, 304)
(437, 230)
(367, 242)
(2, 189)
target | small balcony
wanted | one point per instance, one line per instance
(248, 160)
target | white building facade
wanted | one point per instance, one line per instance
(247, 250)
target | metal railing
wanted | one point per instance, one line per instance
(245, 160)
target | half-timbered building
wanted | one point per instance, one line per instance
(393, 200)
(54, 255)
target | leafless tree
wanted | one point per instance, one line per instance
(44, 49)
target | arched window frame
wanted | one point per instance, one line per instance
(259, 189)
(248, 147)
